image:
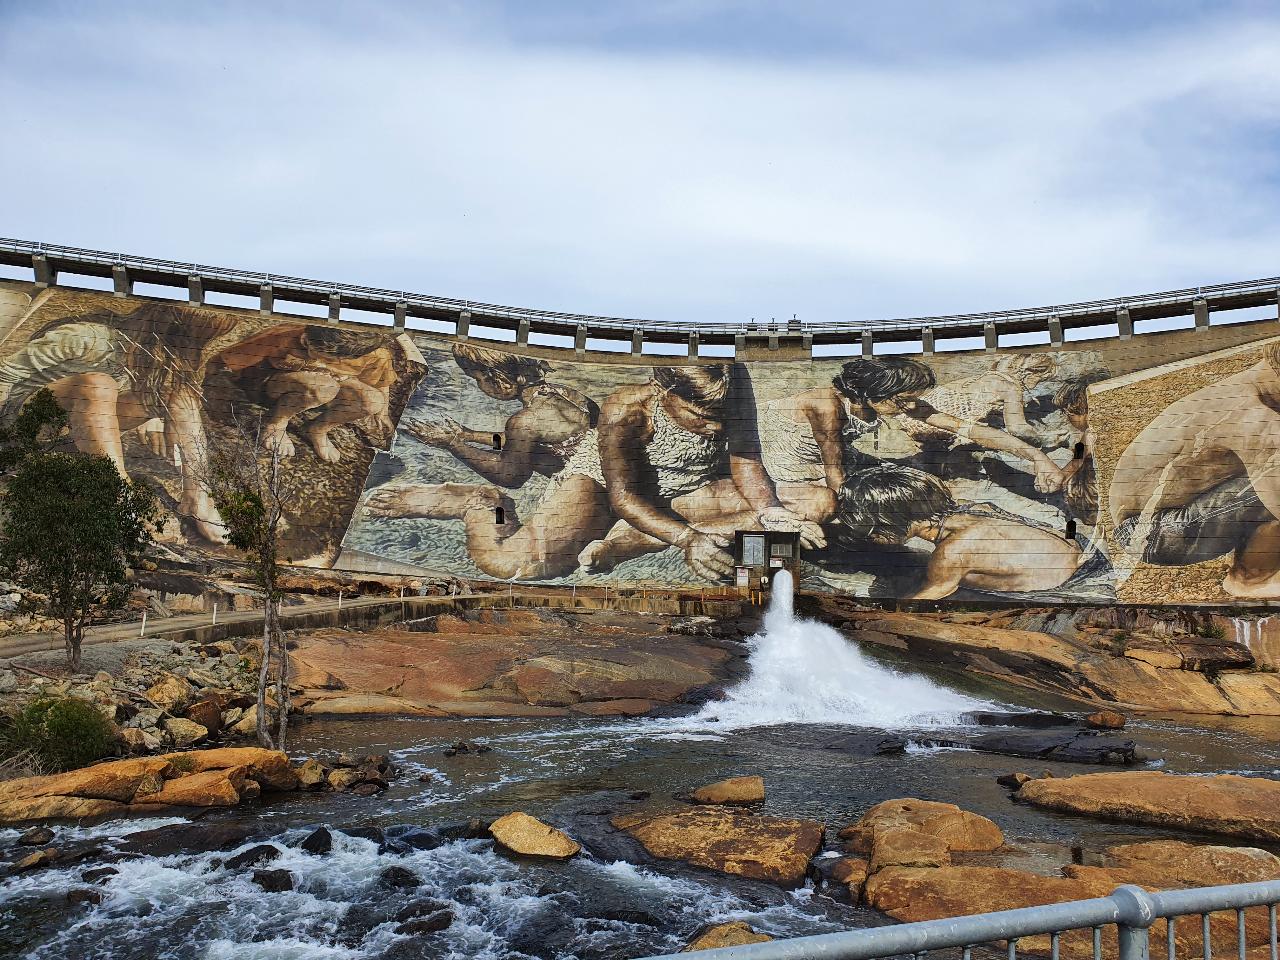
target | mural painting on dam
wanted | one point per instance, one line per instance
(1087, 473)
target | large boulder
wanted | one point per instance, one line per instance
(207, 713)
(959, 830)
(209, 788)
(105, 788)
(904, 847)
(530, 837)
(185, 733)
(731, 841)
(1244, 807)
(736, 791)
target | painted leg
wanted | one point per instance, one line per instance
(292, 394)
(353, 401)
(90, 401)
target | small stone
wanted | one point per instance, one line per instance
(172, 693)
(736, 791)
(420, 908)
(36, 837)
(256, 856)
(425, 777)
(8, 681)
(103, 677)
(231, 717)
(398, 878)
(1105, 720)
(251, 790)
(318, 842)
(311, 774)
(366, 789)
(148, 717)
(34, 861)
(346, 760)
(342, 778)
(273, 881)
(81, 895)
(247, 725)
(207, 713)
(185, 733)
(139, 740)
(98, 874)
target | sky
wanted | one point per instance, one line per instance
(666, 160)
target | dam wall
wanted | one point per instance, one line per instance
(1137, 469)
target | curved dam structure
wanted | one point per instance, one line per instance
(1133, 468)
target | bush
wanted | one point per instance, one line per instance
(63, 734)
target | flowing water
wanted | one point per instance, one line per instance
(173, 898)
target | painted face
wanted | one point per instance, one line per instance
(691, 417)
(901, 403)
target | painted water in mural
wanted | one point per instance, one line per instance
(1039, 475)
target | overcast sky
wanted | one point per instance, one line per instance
(666, 159)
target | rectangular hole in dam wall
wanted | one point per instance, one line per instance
(428, 325)
(1163, 324)
(494, 334)
(160, 291)
(821, 350)
(371, 318)
(899, 347)
(1227, 318)
(1032, 338)
(84, 281)
(957, 344)
(292, 308)
(666, 349)
(10, 272)
(724, 350)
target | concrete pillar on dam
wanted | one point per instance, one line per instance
(637, 341)
(1200, 307)
(990, 338)
(195, 289)
(335, 307)
(926, 340)
(121, 284)
(693, 343)
(1055, 332)
(400, 316)
(580, 339)
(868, 343)
(46, 275)
(1124, 323)
(266, 299)
(522, 333)
(463, 327)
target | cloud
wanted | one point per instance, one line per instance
(491, 156)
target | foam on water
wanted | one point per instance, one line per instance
(803, 671)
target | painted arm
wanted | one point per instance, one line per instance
(625, 432)
(1015, 410)
(946, 571)
(825, 422)
(509, 467)
(1048, 476)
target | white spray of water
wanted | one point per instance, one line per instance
(803, 671)
(1249, 633)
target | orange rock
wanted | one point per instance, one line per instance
(1105, 720)
(735, 934)
(270, 768)
(852, 872)
(736, 791)
(959, 829)
(210, 788)
(731, 841)
(89, 791)
(907, 847)
(529, 836)
(1245, 807)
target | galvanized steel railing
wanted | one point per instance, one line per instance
(1134, 913)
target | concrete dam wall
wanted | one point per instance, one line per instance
(1139, 470)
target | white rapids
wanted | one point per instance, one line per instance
(803, 671)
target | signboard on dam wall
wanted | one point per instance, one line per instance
(1140, 470)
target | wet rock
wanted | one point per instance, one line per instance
(210, 788)
(399, 878)
(263, 853)
(188, 838)
(171, 693)
(1026, 720)
(958, 829)
(367, 789)
(431, 923)
(905, 847)
(728, 840)
(868, 743)
(318, 842)
(420, 908)
(343, 778)
(78, 895)
(520, 833)
(852, 873)
(473, 829)
(1065, 746)
(273, 881)
(98, 874)
(1244, 807)
(735, 934)
(1013, 780)
(736, 791)
(311, 774)
(270, 768)
(36, 837)
(36, 861)
(376, 834)
(185, 733)
(251, 790)
(464, 747)
(104, 788)
(1105, 720)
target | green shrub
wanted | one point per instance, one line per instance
(1211, 631)
(64, 734)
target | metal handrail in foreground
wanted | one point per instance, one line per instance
(1130, 909)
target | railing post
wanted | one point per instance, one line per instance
(1133, 921)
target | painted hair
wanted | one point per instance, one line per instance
(887, 500)
(480, 362)
(1080, 492)
(1027, 365)
(704, 385)
(879, 378)
(1073, 398)
(336, 342)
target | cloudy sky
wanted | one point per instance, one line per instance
(666, 159)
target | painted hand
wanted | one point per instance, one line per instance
(437, 434)
(1049, 477)
(708, 556)
(780, 518)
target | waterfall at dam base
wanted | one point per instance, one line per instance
(803, 671)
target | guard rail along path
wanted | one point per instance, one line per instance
(1137, 916)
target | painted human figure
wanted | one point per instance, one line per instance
(341, 376)
(873, 410)
(112, 374)
(663, 458)
(1202, 480)
(553, 419)
(978, 546)
(1002, 390)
